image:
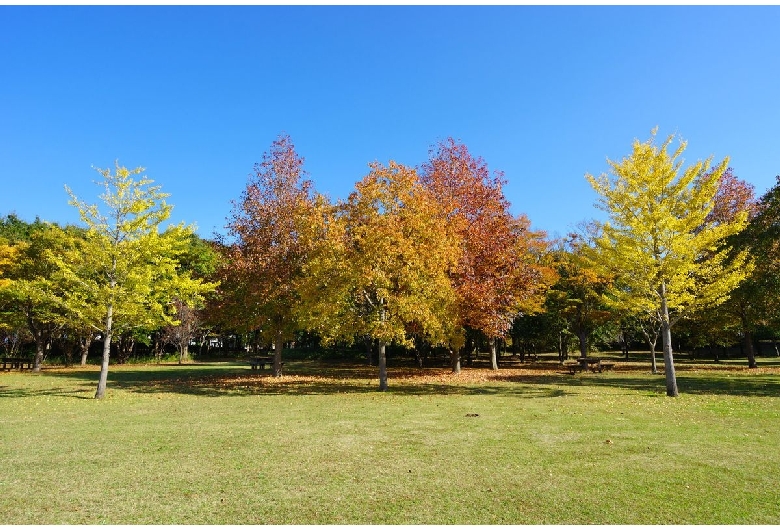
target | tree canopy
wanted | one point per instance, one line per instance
(415, 257)
(658, 243)
(125, 272)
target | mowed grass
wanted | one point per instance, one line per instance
(219, 444)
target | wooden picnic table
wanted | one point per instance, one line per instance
(17, 362)
(594, 364)
(261, 362)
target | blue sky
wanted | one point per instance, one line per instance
(545, 94)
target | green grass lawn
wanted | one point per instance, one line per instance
(219, 444)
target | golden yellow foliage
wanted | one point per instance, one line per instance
(658, 244)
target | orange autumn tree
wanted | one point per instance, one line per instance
(264, 263)
(499, 271)
(380, 267)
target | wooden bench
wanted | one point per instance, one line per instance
(594, 364)
(17, 362)
(606, 366)
(572, 366)
(262, 363)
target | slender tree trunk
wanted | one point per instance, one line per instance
(369, 349)
(751, 354)
(625, 345)
(493, 354)
(455, 360)
(560, 347)
(278, 345)
(382, 367)
(563, 342)
(666, 331)
(747, 342)
(101, 389)
(419, 353)
(653, 365)
(651, 342)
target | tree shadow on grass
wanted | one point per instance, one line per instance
(759, 385)
(710, 383)
(313, 378)
(326, 385)
(10, 392)
(306, 379)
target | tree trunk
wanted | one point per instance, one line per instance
(382, 367)
(653, 365)
(278, 345)
(583, 336)
(560, 346)
(563, 346)
(101, 389)
(651, 342)
(40, 337)
(666, 336)
(419, 353)
(455, 360)
(493, 356)
(84, 344)
(751, 354)
(184, 352)
(624, 344)
(40, 349)
(369, 349)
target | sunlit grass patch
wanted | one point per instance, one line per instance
(220, 444)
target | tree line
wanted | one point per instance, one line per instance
(419, 257)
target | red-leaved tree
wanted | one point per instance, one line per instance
(498, 270)
(264, 261)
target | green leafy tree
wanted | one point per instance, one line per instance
(577, 296)
(201, 260)
(125, 272)
(740, 316)
(30, 294)
(761, 292)
(657, 243)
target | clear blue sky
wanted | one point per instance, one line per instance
(544, 94)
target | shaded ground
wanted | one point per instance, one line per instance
(541, 379)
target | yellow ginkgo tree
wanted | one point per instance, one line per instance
(658, 245)
(125, 272)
